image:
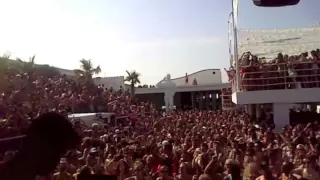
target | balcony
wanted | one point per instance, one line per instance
(292, 82)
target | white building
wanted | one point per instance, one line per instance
(115, 82)
(205, 94)
(268, 43)
(203, 77)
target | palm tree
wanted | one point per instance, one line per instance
(27, 66)
(87, 70)
(133, 78)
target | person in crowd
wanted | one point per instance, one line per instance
(62, 173)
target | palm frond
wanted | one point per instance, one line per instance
(6, 55)
(81, 78)
(19, 60)
(87, 71)
(79, 72)
(86, 65)
(97, 70)
(138, 80)
(133, 77)
(127, 79)
(32, 59)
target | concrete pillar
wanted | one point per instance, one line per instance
(258, 111)
(252, 111)
(207, 100)
(313, 107)
(177, 100)
(214, 100)
(193, 99)
(281, 115)
(201, 100)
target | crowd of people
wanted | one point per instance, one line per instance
(181, 145)
(27, 97)
(194, 145)
(283, 72)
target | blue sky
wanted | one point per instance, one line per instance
(153, 37)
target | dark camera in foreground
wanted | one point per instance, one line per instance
(275, 3)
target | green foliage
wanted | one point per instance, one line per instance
(134, 78)
(86, 72)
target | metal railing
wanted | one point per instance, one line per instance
(226, 99)
(280, 76)
(228, 104)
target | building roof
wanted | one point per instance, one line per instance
(207, 87)
(189, 75)
(268, 43)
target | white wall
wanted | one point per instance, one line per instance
(268, 43)
(208, 87)
(108, 82)
(203, 77)
(287, 96)
(115, 81)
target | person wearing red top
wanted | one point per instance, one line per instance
(169, 159)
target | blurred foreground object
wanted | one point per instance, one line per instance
(275, 3)
(48, 138)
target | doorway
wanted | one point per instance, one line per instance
(185, 100)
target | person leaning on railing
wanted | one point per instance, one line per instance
(304, 65)
(255, 67)
(245, 71)
(283, 72)
(292, 74)
(251, 72)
